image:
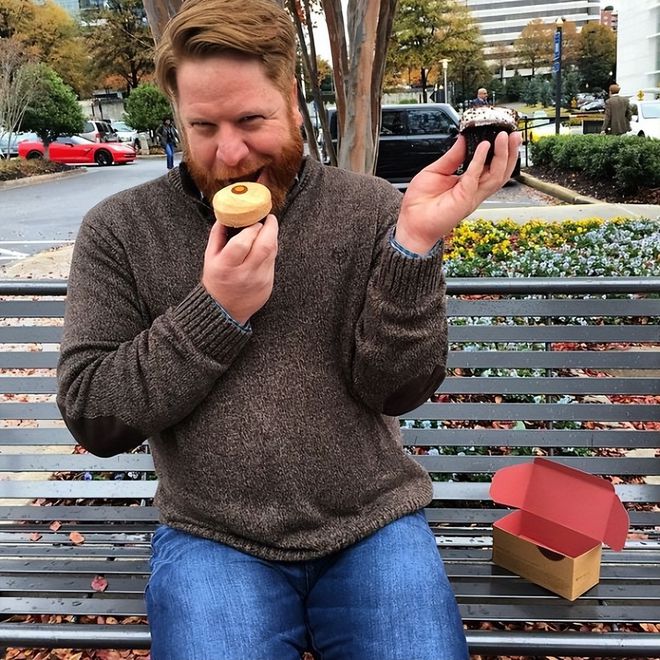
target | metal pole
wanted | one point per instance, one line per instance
(557, 68)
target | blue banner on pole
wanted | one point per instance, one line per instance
(557, 52)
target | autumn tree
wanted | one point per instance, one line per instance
(534, 46)
(428, 31)
(120, 42)
(597, 55)
(49, 34)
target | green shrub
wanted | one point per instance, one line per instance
(627, 162)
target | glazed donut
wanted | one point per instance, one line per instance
(242, 204)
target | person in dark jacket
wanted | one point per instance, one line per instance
(268, 368)
(482, 98)
(169, 138)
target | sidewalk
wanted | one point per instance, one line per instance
(54, 263)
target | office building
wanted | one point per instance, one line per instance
(502, 21)
(638, 47)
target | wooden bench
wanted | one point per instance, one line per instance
(532, 390)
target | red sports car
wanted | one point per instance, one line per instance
(75, 150)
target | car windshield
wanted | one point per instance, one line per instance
(120, 126)
(651, 110)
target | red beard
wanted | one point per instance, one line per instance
(281, 170)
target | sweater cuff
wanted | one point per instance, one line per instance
(209, 327)
(411, 279)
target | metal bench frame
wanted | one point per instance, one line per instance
(43, 572)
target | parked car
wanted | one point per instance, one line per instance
(126, 133)
(646, 119)
(411, 137)
(76, 150)
(98, 130)
(593, 106)
(543, 130)
(9, 148)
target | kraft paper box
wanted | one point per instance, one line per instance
(564, 515)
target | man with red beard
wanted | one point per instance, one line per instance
(268, 369)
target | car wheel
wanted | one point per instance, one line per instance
(33, 155)
(102, 158)
(136, 145)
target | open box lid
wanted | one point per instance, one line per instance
(572, 498)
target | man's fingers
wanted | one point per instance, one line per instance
(255, 242)
(264, 247)
(451, 161)
(216, 241)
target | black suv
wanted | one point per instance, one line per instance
(412, 136)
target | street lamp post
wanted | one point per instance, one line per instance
(444, 63)
(556, 69)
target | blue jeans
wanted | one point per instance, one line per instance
(385, 598)
(169, 152)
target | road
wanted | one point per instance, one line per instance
(39, 216)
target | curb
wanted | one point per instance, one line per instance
(40, 178)
(554, 190)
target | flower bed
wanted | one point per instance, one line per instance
(574, 248)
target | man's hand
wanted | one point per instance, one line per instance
(239, 273)
(437, 199)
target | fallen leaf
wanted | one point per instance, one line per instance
(55, 525)
(76, 538)
(99, 583)
(35, 536)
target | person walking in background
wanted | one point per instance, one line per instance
(617, 113)
(482, 98)
(169, 137)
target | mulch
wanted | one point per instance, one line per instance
(585, 185)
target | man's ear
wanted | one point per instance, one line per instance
(295, 107)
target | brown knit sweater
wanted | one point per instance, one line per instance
(279, 441)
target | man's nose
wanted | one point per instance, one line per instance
(231, 146)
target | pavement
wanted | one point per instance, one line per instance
(565, 205)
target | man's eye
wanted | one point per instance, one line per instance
(250, 118)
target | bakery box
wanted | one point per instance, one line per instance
(563, 516)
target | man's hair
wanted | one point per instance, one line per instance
(614, 89)
(482, 89)
(257, 29)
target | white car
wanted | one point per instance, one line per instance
(646, 119)
(126, 133)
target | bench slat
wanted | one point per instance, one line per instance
(445, 490)
(456, 359)
(440, 464)
(52, 334)
(562, 612)
(617, 334)
(532, 411)
(530, 438)
(478, 464)
(451, 385)
(442, 411)
(75, 463)
(554, 307)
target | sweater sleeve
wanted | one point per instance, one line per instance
(400, 344)
(122, 378)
